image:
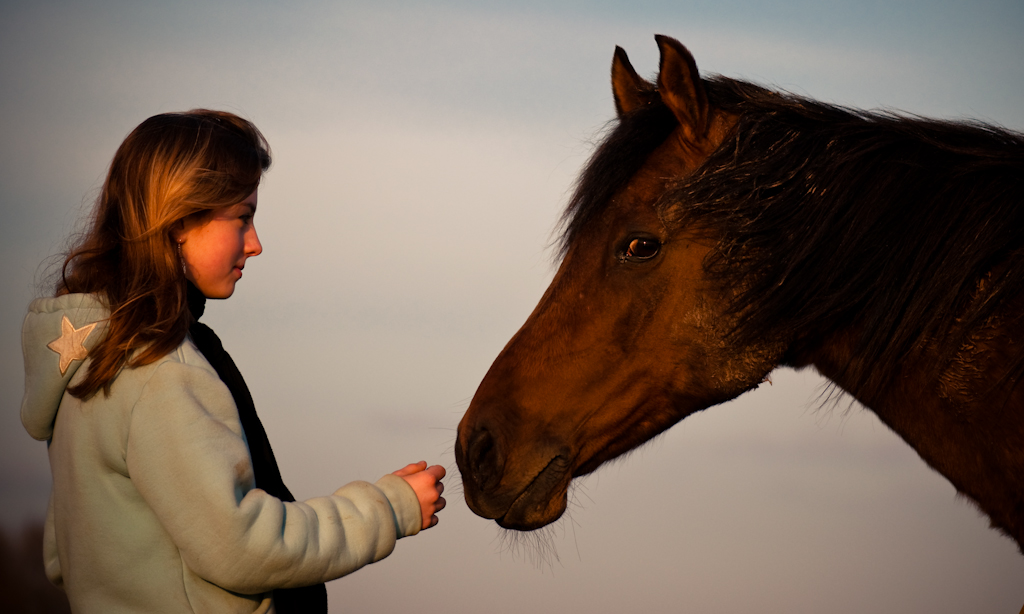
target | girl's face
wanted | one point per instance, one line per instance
(215, 247)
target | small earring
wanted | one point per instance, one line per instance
(181, 258)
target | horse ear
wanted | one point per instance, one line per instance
(630, 90)
(681, 88)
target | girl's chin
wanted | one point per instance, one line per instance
(220, 291)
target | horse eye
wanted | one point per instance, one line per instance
(642, 249)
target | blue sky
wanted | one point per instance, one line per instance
(423, 152)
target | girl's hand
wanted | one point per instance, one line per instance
(426, 481)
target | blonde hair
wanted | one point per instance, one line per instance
(171, 167)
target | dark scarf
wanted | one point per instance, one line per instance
(307, 599)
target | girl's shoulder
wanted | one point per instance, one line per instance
(182, 368)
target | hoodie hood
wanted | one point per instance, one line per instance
(56, 339)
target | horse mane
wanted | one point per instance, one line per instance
(624, 150)
(907, 230)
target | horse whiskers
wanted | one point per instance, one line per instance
(573, 503)
(539, 547)
(453, 482)
(536, 547)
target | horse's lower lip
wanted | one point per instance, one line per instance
(543, 500)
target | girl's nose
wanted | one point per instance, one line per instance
(253, 247)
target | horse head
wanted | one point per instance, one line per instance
(630, 337)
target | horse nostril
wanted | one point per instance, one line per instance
(485, 460)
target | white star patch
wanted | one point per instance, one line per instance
(70, 344)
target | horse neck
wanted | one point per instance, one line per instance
(966, 419)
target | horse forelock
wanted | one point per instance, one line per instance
(618, 157)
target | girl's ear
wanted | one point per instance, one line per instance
(177, 231)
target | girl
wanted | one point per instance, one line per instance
(166, 495)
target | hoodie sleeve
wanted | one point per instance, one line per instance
(189, 461)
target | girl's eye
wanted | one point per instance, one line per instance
(639, 250)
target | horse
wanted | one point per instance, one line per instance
(721, 230)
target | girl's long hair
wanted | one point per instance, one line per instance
(172, 166)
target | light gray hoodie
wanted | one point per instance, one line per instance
(154, 507)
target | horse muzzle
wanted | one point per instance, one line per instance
(521, 493)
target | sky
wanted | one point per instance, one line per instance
(423, 152)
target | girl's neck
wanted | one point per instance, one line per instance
(196, 300)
